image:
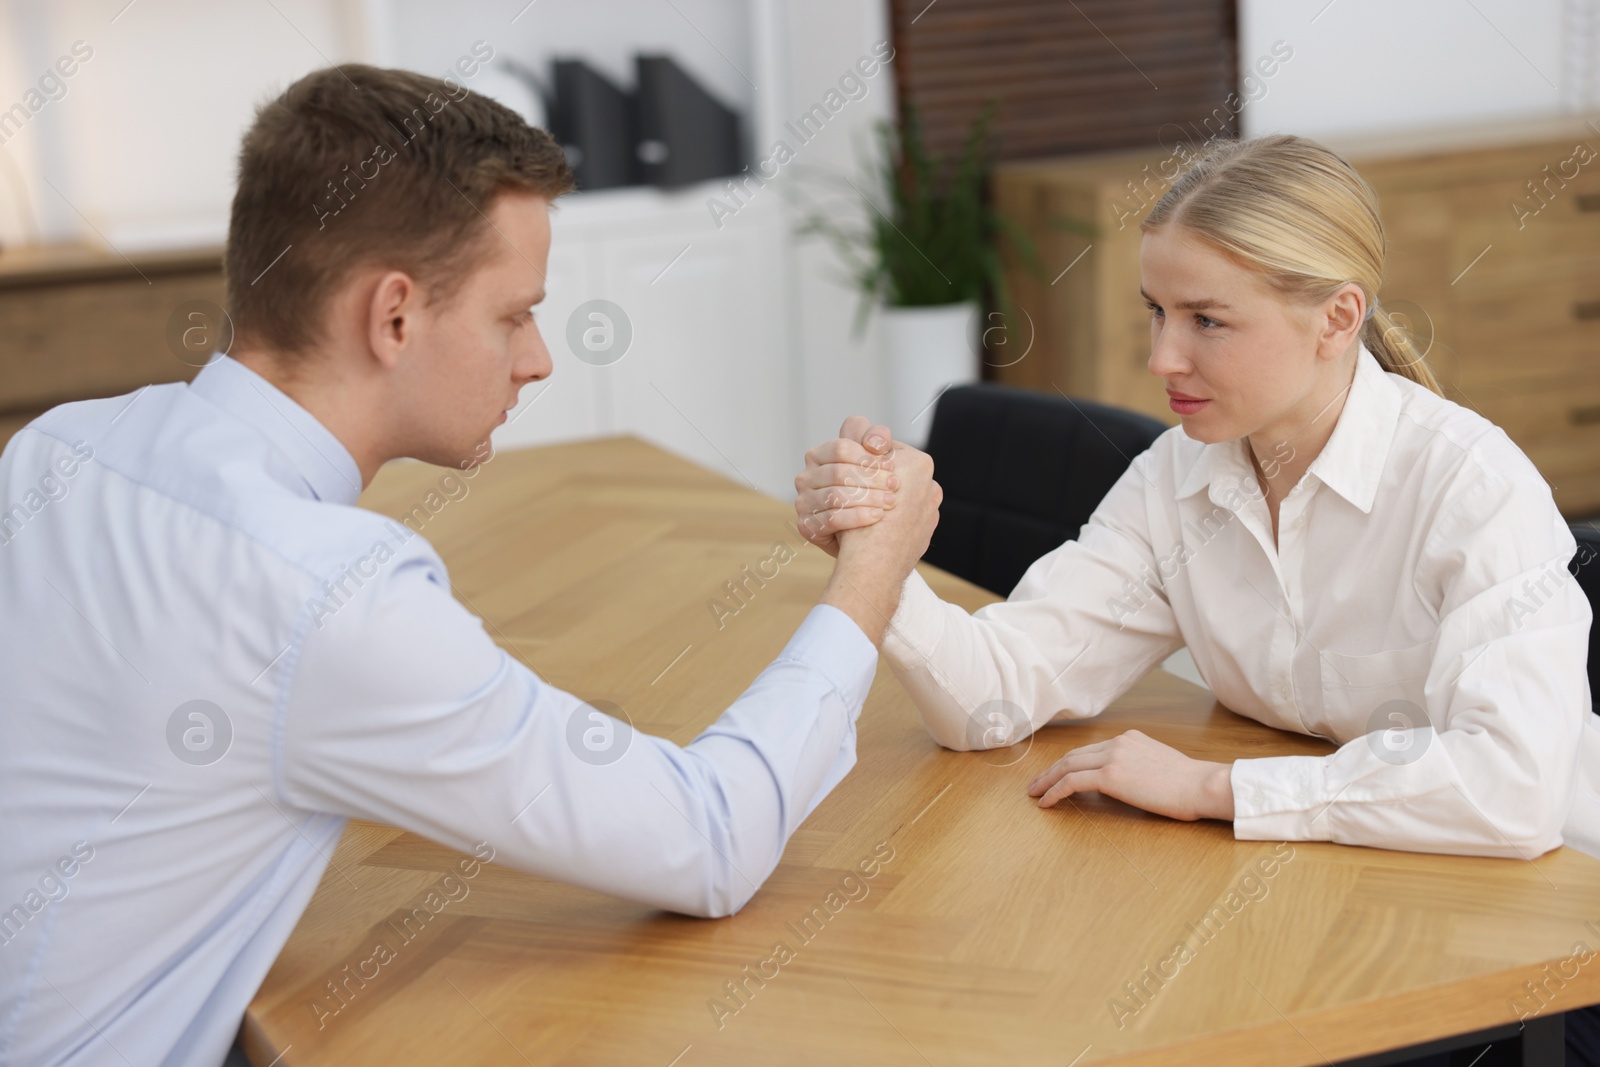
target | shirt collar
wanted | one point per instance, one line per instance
(1351, 463)
(321, 460)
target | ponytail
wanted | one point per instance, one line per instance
(1388, 339)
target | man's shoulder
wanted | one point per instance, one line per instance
(184, 463)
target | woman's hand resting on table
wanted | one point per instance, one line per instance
(1141, 771)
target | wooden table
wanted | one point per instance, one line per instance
(993, 932)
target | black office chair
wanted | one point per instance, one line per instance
(1586, 564)
(1021, 472)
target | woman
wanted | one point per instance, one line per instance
(1344, 552)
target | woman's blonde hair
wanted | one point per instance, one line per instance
(1301, 217)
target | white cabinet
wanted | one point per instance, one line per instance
(706, 370)
(706, 374)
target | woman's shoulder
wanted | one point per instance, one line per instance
(1459, 425)
(1475, 473)
(1445, 434)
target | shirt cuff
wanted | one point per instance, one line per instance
(830, 643)
(1281, 798)
(917, 626)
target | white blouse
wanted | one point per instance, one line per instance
(1417, 611)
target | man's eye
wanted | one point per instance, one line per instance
(1155, 309)
(1206, 322)
(522, 318)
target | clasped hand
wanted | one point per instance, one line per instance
(859, 479)
(874, 510)
(855, 481)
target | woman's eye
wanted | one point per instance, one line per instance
(1155, 309)
(1206, 322)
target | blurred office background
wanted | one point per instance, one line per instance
(746, 340)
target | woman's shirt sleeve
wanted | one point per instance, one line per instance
(1086, 621)
(1489, 767)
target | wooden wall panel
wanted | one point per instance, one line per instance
(1068, 75)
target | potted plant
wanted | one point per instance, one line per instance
(925, 254)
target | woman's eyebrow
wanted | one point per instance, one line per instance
(1204, 304)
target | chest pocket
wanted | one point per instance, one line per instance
(1355, 688)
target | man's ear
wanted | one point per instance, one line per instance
(1344, 316)
(391, 316)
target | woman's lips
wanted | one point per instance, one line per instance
(1184, 404)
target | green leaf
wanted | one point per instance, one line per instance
(930, 236)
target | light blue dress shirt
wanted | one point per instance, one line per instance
(212, 659)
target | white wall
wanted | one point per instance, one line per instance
(1366, 66)
(141, 147)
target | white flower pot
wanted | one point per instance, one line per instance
(927, 350)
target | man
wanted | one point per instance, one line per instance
(213, 658)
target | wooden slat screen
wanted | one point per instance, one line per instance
(1069, 75)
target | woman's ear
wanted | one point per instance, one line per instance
(1344, 314)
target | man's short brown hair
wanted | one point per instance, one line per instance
(355, 166)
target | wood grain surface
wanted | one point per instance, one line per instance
(928, 913)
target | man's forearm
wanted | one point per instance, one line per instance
(874, 560)
(865, 585)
